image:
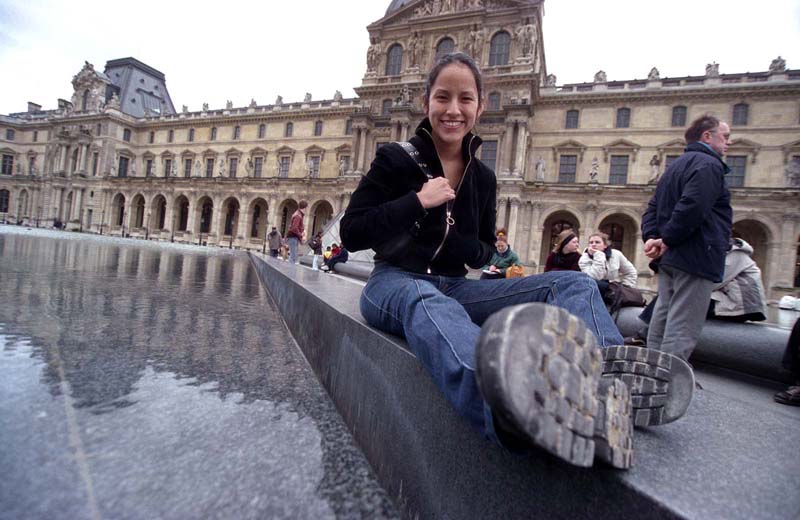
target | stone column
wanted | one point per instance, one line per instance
(215, 219)
(781, 260)
(501, 213)
(79, 162)
(191, 222)
(508, 139)
(512, 219)
(522, 135)
(362, 150)
(535, 241)
(62, 167)
(77, 205)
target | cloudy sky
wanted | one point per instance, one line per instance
(238, 50)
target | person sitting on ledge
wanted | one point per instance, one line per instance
(605, 264)
(520, 359)
(339, 256)
(565, 255)
(502, 259)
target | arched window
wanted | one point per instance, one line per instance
(623, 117)
(572, 119)
(679, 116)
(289, 129)
(445, 46)
(85, 102)
(499, 48)
(318, 128)
(740, 114)
(262, 131)
(394, 60)
(387, 104)
(493, 102)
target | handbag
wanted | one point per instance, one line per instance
(398, 245)
(619, 296)
(515, 271)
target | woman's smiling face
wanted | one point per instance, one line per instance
(454, 105)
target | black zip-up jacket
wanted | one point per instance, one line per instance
(691, 212)
(385, 206)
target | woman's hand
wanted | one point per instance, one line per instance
(435, 192)
(493, 268)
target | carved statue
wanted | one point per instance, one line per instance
(342, 166)
(205, 107)
(654, 74)
(174, 170)
(600, 77)
(413, 50)
(197, 168)
(228, 104)
(594, 170)
(405, 95)
(526, 34)
(337, 96)
(712, 69)
(475, 42)
(307, 98)
(778, 66)
(113, 102)
(655, 164)
(374, 55)
(279, 101)
(550, 80)
(184, 109)
(540, 168)
(253, 103)
(222, 167)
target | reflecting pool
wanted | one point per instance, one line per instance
(145, 381)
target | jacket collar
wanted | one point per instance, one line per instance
(469, 144)
(704, 148)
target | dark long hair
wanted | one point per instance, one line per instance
(447, 59)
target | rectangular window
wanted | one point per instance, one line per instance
(9, 134)
(98, 129)
(237, 132)
(669, 160)
(31, 162)
(318, 128)
(234, 163)
(258, 167)
(313, 167)
(171, 136)
(152, 137)
(209, 167)
(262, 131)
(191, 135)
(618, 173)
(489, 154)
(624, 118)
(149, 167)
(187, 167)
(95, 163)
(572, 119)
(123, 166)
(740, 114)
(35, 136)
(168, 168)
(126, 135)
(567, 168)
(213, 134)
(283, 169)
(8, 164)
(348, 127)
(678, 116)
(737, 164)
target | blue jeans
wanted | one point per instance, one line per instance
(293, 243)
(440, 318)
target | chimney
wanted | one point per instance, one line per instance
(33, 107)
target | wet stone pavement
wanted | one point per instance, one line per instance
(153, 382)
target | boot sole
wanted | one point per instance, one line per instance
(661, 384)
(538, 367)
(613, 426)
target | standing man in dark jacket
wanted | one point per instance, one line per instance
(686, 229)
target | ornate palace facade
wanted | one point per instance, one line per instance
(119, 159)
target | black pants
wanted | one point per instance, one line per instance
(791, 358)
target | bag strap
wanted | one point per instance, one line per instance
(412, 151)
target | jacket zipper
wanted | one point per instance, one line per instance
(448, 219)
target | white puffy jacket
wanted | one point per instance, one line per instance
(614, 269)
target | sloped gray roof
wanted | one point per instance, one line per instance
(396, 5)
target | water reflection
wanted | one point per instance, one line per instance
(110, 318)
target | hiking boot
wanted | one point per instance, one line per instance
(661, 384)
(790, 396)
(613, 426)
(538, 368)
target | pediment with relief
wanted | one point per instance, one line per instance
(430, 8)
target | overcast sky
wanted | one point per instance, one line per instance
(240, 50)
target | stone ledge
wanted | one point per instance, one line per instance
(719, 461)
